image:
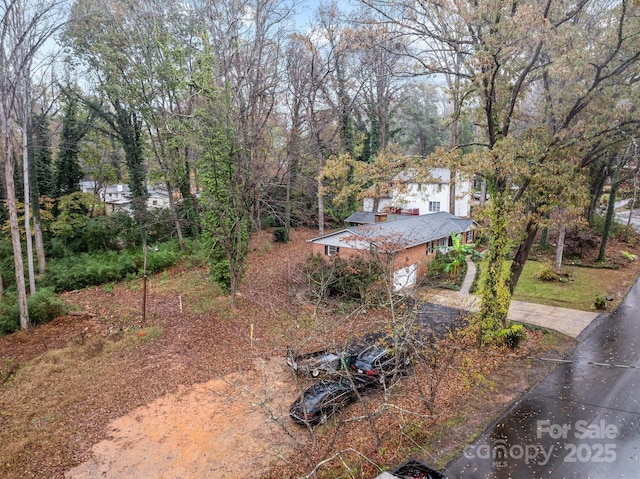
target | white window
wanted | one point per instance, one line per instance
(331, 250)
(430, 248)
(469, 236)
(443, 245)
(434, 206)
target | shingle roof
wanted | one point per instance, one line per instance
(413, 231)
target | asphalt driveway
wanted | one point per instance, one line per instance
(582, 421)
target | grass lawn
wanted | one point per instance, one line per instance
(579, 292)
(584, 286)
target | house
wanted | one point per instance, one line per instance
(118, 198)
(89, 186)
(412, 241)
(426, 195)
(158, 197)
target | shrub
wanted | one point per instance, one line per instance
(45, 306)
(42, 307)
(512, 336)
(600, 303)
(621, 232)
(629, 256)
(9, 315)
(90, 269)
(547, 274)
(439, 273)
(269, 222)
(220, 274)
(281, 235)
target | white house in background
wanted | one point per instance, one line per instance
(117, 197)
(158, 197)
(89, 186)
(423, 198)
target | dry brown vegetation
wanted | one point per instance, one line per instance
(64, 384)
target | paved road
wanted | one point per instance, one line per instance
(582, 421)
(622, 215)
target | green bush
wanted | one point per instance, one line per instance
(547, 274)
(439, 275)
(219, 272)
(9, 315)
(42, 306)
(512, 336)
(45, 306)
(269, 222)
(600, 303)
(91, 269)
(620, 231)
(280, 235)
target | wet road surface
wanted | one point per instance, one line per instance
(582, 421)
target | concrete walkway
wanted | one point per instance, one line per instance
(567, 321)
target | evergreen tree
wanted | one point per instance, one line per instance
(68, 171)
(41, 156)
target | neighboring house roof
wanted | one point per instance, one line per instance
(117, 190)
(395, 235)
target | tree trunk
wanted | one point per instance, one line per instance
(187, 197)
(494, 306)
(521, 255)
(633, 198)
(174, 214)
(37, 228)
(15, 229)
(610, 215)
(34, 191)
(562, 229)
(544, 237)
(452, 192)
(27, 194)
(483, 191)
(320, 197)
(595, 190)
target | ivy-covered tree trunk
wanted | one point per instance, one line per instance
(130, 129)
(609, 219)
(496, 295)
(226, 199)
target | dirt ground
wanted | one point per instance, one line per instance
(209, 430)
(201, 389)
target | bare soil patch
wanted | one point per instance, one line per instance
(201, 390)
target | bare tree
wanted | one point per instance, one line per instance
(25, 28)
